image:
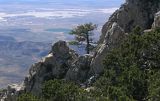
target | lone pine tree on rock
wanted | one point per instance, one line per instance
(82, 34)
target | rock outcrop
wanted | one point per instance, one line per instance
(131, 14)
(61, 63)
(64, 63)
(156, 22)
(79, 70)
(12, 92)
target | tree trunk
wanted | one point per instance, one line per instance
(87, 47)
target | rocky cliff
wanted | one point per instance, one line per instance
(61, 63)
(64, 63)
(131, 14)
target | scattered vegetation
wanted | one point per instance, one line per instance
(132, 73)
(27, 97)
(132, 70)
(60, 90)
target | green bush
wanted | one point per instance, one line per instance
(132, 70)
(59, 90)
(27, 97)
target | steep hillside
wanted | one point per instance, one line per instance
(131, 14)
(65, 64)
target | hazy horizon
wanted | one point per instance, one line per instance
(42, 22)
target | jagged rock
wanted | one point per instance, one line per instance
(61, 63)
(61, 50)
(135, 13)
(113, 37)
(156, 20)
(55, 65)
(11, 93)
(79, 70)
(132, 13)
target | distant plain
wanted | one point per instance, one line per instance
(29, 27)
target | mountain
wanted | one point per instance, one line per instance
(25, 23)
(65, 64)
(131, 14)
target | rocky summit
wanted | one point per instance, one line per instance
(64, 63)
(131, 14)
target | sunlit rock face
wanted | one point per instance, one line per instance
(131, 14)
(12, 92)
(55, 65)
(61, 63)
(156, 20)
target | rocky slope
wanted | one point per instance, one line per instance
(132, 13)
(61, 63)
(64, 63)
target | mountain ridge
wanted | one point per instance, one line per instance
(64, 63)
